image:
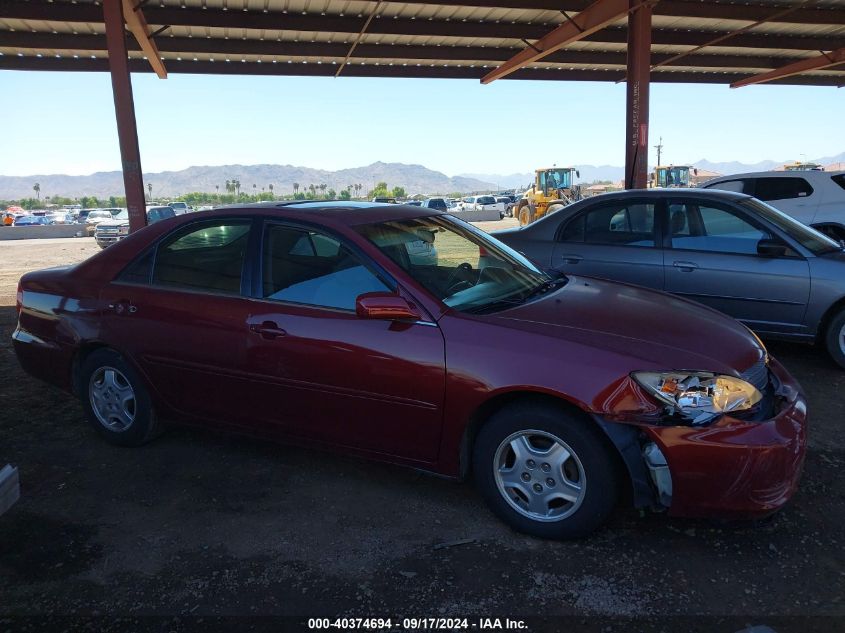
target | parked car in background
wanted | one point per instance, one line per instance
(439, 204)
(180, 207)
(108, 232)
(413, 203)
(726, 250)
(478, 209)
(816, 198)
(557, 393)
(82, 215)
(32, 220)
(384, 200)
(60, 217)
(509, 203)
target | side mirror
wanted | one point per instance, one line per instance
(384, 305)
(769, 247)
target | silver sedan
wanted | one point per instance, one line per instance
(726, 250)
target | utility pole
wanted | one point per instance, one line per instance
(659, 148)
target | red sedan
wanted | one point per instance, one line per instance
(403, 334)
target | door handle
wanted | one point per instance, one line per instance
(267, 329)
(123, 307)
(685, 267)
(571, 259)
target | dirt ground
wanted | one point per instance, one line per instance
(199, 526)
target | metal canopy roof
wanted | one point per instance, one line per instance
(434, 38)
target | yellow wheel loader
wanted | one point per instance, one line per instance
(553, 189)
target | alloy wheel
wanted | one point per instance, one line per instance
(112, 399)
(539, 475)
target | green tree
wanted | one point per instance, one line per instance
(331, 194)
(345, 195)
(399, 192)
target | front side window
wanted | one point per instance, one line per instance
(310, 268)
(209, 258)
(708, 228)
(460, 265)
(617, 224)
(781, 188)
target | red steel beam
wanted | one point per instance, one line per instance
(594, 18)
(825, 60)
(124, 109)
(638, 83)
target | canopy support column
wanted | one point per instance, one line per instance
(124, 109)
(639, 75)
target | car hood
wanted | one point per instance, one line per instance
(105, 223)
(652, 327)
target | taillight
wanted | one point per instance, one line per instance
(19, 299)
(482, 252)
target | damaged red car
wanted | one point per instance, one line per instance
(405, 335)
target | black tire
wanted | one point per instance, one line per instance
(526, 214)
(143, 425)
(834, 338)
(596, 465)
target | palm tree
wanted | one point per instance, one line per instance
(37, 189)
(150, 189)
(217, 187)
(272, 197)
(237, 185)
(295, 188)
(254, 189)
(230, 188)
(323, 189)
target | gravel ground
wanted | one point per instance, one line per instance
(199, 524)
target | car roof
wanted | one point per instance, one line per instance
(815, 173)
(339, 211)
(692, 192)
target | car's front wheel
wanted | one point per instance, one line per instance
(835, 338)
(545, 471)
(115, 399)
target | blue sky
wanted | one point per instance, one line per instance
(64, 123)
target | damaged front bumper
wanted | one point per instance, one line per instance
(731, 468)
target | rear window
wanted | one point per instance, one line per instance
(486, 200)
(781, 188)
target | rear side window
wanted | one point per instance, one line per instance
(313, 269)
(622, 225)
(781, 188)
(739, 186)
(839, 179)
(206, 258)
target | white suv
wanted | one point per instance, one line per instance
(816, 198)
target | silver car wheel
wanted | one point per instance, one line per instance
(539, 475)
(112, 399)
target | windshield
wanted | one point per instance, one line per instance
(459, 264)
(559, 178)
(672, 176)
(811, 239)
(123, 215)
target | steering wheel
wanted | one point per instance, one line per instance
(454, 283)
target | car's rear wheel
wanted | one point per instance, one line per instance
(115, 399)
(835, 338)
(545, 471)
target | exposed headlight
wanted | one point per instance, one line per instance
(699, 396)
(123, 230)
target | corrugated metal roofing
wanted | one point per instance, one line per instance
(430, 38)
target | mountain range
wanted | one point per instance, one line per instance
(253, 178)
(416, 179)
